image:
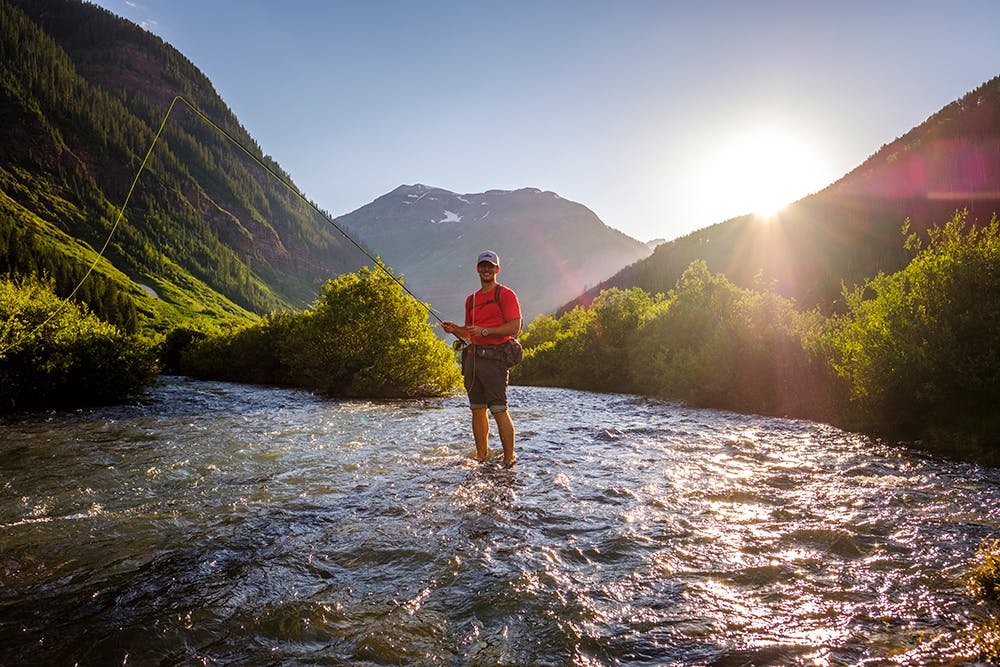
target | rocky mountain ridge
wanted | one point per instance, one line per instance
(551, 248)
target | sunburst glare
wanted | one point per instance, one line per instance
(760, 171)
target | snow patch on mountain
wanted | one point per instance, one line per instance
(449, 216)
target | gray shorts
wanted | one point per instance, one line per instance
(485, 381)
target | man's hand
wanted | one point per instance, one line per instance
(455, 330)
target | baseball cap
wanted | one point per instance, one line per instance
(488, 256)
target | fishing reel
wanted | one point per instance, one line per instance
(459, 344)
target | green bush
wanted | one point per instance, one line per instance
(173, 346)
(586, 349)
(713, 343)
(363, 337)
(556, 352)
(57, 354)
(686, 347)
(708, 342)
(916, 355)
(921, 348)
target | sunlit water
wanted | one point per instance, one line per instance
(226, 524)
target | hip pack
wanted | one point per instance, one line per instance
(509, 354)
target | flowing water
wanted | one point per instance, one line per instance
(214, 523)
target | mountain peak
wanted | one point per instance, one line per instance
(553, 247)
(521, 191)
(416, 188)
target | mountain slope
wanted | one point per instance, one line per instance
(851, 230)
(550, 248)
(81, 95)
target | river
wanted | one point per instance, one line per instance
(214, 523)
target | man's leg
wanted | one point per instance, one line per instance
(506, 429)
(481, 432)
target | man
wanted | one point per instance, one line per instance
(492, 317)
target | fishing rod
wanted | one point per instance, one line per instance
(294, 190)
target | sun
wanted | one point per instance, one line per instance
(759, 171)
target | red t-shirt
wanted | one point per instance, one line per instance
(486, 312)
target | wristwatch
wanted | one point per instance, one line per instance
(483, 333)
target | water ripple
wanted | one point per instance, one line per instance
(216, 523)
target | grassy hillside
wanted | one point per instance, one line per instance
(208, 229)
(30, 244)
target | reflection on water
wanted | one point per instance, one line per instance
(225, 524)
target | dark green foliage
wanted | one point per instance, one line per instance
(251, 354)
(586, 349)
(921, 347)
(687, 348)
(21, 254)
(56, 354)
(556, 353)
(712, 343)
(707, 342)
(363, 337)
(173, 346)
(984, 578)
(917, 354)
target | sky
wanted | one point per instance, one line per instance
(663, 117)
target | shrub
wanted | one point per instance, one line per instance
(57, 354)
(921, 348)
(708, 342)
(363, 337)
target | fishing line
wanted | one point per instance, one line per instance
(114, 227)
(180, 98)
(376, 261)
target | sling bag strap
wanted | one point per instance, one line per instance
(469, 303)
